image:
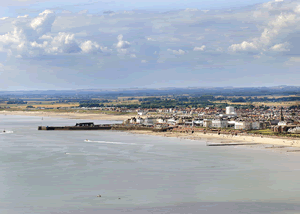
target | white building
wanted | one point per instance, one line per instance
(282, 123)
(139, 120)
(243, 125)
(218, 123)
(231, 124)
(161, 120)
(295, 130)
(230, 110)
(189, 122)
(133, 120)
(171, 121)
(207, 123)
(198, 123)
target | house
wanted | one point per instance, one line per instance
(282, 123)
(149, 121)
(243, 125)
(161, 120)
(133, 120)
(295, 130)
(189, 122)
(255, 125)
(171, 121)
(139, 120)
(231, 124)
(198, 123)
(219, 123)
(207, 123)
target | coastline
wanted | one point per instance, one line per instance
(282, 144)
(67, 115)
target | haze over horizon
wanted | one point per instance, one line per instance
(56, 45)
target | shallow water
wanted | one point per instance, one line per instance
(64, 171)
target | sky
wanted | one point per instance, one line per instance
(75, 44)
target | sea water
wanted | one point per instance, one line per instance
(65, 171)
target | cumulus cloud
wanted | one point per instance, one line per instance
(67, 43)
(177, 52)
(43, 23)
(33, 37)
(271, 4)
(3, 18)
(144, 61)
(297, 9)
(25, 16)
(122, 51)
(90, 47)
(280, 47)
(281, 25)
(175, 30)
(122, 44)
(63, 43)
(200, 48)
(244, 46)
(13, 40)
(278, 19)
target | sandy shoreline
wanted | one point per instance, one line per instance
(68, 115)
(284, 144)
(279, 144)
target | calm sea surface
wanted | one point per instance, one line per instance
(63, 172)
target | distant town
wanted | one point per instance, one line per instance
(279, 119)
(270, 111)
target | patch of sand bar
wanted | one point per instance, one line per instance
(68, 115)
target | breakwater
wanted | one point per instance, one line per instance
(91, 126)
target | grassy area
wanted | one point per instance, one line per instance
(262, 132)
(271, 133)
(71, 111)
(259, 103)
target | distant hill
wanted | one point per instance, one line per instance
(192, 91)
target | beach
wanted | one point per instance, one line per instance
(283, 144)
(68, 115)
